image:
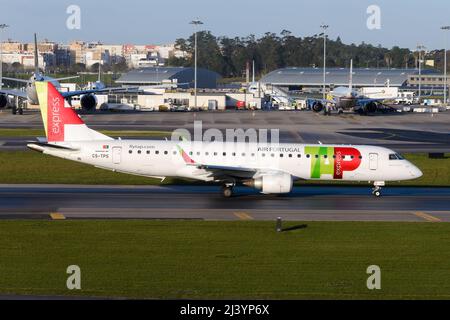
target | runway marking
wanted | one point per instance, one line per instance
(57, 216)
(426, 216)
(243, 216)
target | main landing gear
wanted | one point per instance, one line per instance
(227, 189)
(376, 191)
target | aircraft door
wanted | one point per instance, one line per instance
(116, 154)
(373, 161)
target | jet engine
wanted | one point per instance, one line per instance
(371, 107)
(3, 101)
(317, 106)
(272, 183)
(88, 102)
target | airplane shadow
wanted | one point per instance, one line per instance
(296, 227)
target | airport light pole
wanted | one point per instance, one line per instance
(195, 23)
(445, 28)
(420, 47)
(324, 28)
(2, 26)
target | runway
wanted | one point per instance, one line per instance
(306, 203)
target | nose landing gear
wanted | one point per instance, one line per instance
(376, 191)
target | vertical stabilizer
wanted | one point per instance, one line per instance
(61, 122)
(350, 84)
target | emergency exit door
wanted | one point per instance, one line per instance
(373, 161)
(116, 154)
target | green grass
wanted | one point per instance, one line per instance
(197, 259)
(127, 133)
(33, 167)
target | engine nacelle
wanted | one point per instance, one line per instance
(371, 107)
(88, 102)
(317, 106)
(3, 101)
(272, 183)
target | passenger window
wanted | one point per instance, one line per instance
(156, 152)
(281, 155)
(307, 155)
(165, 152)
(139, 151)
(243, 154)
(130, 151)
(148, 151)
(290, 155)
(299, 155)
(224, 154)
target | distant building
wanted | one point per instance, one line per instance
(312, 78)
(183, 76)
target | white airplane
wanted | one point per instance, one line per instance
(346, 98)
(272, 169)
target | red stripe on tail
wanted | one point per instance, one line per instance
(58, 115)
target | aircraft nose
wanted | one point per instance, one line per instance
(416, 172)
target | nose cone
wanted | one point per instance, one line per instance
(415, 172)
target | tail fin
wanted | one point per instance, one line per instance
(61, 122)
(350, 80)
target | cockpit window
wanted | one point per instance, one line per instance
(395, 156)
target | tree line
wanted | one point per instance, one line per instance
(229, 56)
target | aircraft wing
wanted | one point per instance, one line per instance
(221, 172)
(364, 101)
(15, 93)
(67, 78)
(88, 91)
(16, 80)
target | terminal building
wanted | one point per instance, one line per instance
(182, 77)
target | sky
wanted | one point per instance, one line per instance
(405, 23)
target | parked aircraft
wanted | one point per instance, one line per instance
(346, 98)
(88, 100)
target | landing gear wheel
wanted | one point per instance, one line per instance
(376, 191)
(227, 191)
(21, 111)
(14, 110)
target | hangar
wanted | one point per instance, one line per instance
(302, 78)
(183, 76)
